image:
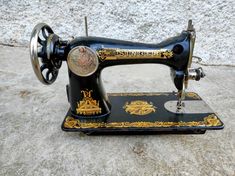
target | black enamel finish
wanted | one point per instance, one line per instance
(110, 116)
(178, 62)
(178, 65)
(118, 114)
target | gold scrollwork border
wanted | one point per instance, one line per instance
(188, 94)
(209, 121)
(193, 95)
(139, 94)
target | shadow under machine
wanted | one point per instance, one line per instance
(93, 111)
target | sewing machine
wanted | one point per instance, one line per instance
(93, 111)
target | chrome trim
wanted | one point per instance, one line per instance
(190, 107)
(33, 47)
(85, 70)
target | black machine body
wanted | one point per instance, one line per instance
(87, 56)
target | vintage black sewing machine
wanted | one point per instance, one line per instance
(93, 111)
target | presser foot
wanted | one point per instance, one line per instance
(149, 113)
(180, 104)
(180, 107)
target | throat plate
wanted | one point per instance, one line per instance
(190, 107)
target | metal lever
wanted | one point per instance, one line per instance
(192, 74)
(195, 74)
(190, 26)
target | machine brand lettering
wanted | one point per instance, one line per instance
(115, 54)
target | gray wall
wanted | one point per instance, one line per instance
(137, 20)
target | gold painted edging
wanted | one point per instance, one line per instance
(192, 95)
(209, 121)
(139, 94)
(188, 94)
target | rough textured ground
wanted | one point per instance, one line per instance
(137, 20)
(32, 143)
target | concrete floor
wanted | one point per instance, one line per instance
(32, 143)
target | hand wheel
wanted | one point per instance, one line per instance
(42, 46)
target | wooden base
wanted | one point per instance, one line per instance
(149, 113)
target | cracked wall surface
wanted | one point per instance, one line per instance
(137, 20)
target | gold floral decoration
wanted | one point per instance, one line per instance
(209, 121)
(139, 107)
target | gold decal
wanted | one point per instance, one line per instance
(139, 107)
(192, 95)
(212, 120)
(88, 106)
(209, 121)
(116, 53)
